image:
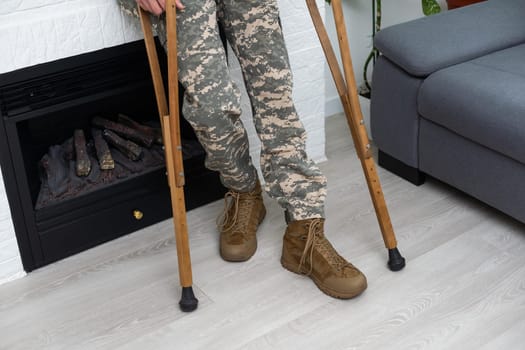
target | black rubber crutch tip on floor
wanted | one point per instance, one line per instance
(396, 262)
(188, 302)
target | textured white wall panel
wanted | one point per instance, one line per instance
(37, 34)
(10, 263)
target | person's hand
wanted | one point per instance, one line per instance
(157, 7)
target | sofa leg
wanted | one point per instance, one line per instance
(399, 168)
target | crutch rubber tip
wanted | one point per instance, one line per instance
(396, 262)
(188, 302)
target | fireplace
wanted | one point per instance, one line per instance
(42, 106)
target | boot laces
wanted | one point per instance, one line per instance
(241, 203)
(317, 241)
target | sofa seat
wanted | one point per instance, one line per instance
(481, 100)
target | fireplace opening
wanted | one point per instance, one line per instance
(39, 135)
(43, 107)
(109, 151)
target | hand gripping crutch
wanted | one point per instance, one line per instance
(347, 90)
(170, 122)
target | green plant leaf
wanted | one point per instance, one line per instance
(430, 7)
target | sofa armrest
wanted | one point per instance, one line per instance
(428, 44)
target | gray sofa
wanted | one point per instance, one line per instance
(448, 100)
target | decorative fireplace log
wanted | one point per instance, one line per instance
(54, 166)
(105, 160)
(69, 149)
(59, 180)
(129, 148)
(156, 133)
(124, 131)
(83, 164)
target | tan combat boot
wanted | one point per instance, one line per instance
(242, 215)
(307, 251)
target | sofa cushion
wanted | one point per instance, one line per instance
(482, 100)
(428, 44)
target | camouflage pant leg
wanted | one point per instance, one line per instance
(253, 30)
(212, 101)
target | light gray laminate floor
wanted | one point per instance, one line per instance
(463, 287)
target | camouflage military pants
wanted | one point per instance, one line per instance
(212, 100)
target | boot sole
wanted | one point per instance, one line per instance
(326, 290)
(237, 258)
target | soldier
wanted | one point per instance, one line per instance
(211, 105)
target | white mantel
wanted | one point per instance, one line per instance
(38, 31)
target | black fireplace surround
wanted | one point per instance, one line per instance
(41, 106)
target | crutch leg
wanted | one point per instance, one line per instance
(347, 89)
(173, 149)
(188, 301)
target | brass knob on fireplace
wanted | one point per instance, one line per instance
(137, 214)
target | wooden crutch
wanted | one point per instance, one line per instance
(347, 89)
(169, 118)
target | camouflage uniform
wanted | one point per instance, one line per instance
(212, 101)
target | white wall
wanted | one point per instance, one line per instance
(358, 15)
(10, 263)
(37, 31)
